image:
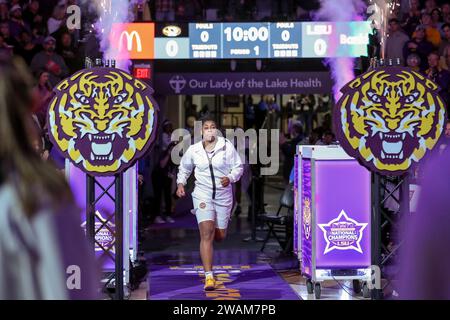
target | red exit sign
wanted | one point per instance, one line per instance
(142, 72)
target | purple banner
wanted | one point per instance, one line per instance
(306, 264)
(342, 202)
(296, 204)
(242, 83)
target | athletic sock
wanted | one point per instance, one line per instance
(209, 274)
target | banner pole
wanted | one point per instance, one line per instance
(377, 293)
(119, 294)
(90, 211)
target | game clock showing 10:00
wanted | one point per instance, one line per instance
(244, 40)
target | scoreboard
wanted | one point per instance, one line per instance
(257, 40)
(245, 40)
(205, 40)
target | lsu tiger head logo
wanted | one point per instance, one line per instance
(102, 119)
(389, 118)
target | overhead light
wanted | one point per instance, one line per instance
(233, 64)
(258, 64)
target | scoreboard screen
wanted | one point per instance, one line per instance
(245, 40)
(258, 40)
(335, 39)
(205, 40)
(285, 40)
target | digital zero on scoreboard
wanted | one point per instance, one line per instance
(245, 40)
(205, 40)
(285, 40)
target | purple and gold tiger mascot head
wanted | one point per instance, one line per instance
(102, 119)
(389, 118)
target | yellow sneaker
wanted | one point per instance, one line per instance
(210, 284)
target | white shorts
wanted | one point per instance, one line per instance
(213, 210)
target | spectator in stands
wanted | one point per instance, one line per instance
(165, 10)
(307, 104)
(49, 60)
(204, 112)
(166, 136)
(432, 33)
(163, 175)
(446, 12)
(39, 33)
(446, 57)
(31, 14)
(444, 141)
(5, 49)
(27, 49)
(180, 14)
(47, 7)
(239, 9)
(289, 148)
(69, 53)
(445, 39)
(261, 112)
(429, 6)
(5, 32)
(413, 61)
(404, 7)
(16, 23)
(395, 41)
(249, 113)
(436, 18)
(192, 9)
(328, 138)
(439, 75)
(274, 113)
(263, 10)
(4, 14)
(413, 18)
(312, 139)
(43, 93)
(57, 19)
(418, 45)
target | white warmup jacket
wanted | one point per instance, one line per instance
(225, 162)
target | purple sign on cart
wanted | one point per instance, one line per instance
(342, 206)
(306, 222)
(296, 161)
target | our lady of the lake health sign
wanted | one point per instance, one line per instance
(243, 83)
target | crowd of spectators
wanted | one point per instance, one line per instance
(37, 31)
(230, 10)
(419, 35)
